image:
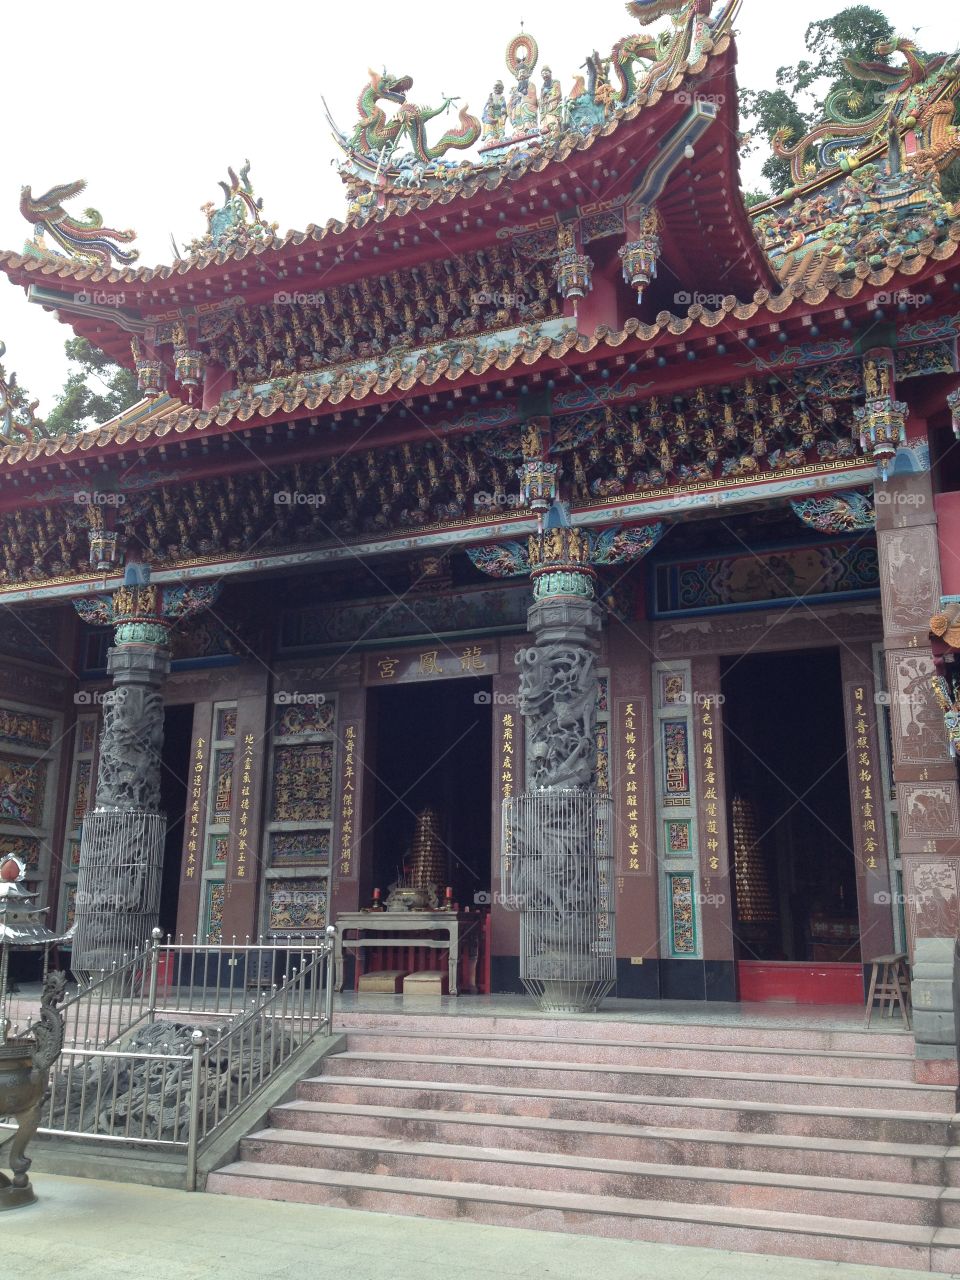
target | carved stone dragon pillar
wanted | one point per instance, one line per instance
(121, 850)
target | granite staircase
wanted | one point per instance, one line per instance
(809, 1143)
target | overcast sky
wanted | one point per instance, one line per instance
(157, 100)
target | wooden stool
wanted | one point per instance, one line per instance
(889, 981)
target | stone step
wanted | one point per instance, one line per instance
(692, 1057)
(593, 1106)
(448, 1162)
(781, 1032)
(747, 1229)
(678, 1082)
(821, 1157)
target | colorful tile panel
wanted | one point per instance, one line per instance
(306, 717)
(23, 784)
(23, 729)
(223, 784)
(676, 763)
(81, 791)
(603, 758)
(750, 579)
(296, 906)
(26, 848)
(673, 689)
(86, 736)
(218, 850)
(216, 892)
(291, 848)
(683, 929)
(70, 907)
(303, 783)
(677, 838)
(227, 722)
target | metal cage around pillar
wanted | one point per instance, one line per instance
(557, 872)
(118, 885)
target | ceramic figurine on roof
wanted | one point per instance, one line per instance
(869, 190)
(912, 126)
(86, 239)
(18, 422)
(375, 138)
(238, 222)
(495, 115)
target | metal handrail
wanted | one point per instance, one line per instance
(182, 1100)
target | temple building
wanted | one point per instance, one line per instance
(548, 353)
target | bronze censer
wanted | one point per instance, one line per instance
(25, 1060)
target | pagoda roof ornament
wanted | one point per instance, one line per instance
(238, 222)
(19, 423)
(868, 188)
(528, 120)
(85, 239)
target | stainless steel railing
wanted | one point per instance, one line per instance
(164, 1053)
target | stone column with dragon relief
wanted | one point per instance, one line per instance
(121, 851)
(556, 852)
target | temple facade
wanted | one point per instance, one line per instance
(550, 345)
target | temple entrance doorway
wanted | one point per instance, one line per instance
(174, 772)
(434, 750)
(793, 869)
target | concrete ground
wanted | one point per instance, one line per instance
(88, 1230)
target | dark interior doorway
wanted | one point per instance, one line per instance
(792, 859)
(174, 771)
(434, 748)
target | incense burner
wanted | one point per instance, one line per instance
(25, 1062)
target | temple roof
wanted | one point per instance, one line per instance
(636, 167)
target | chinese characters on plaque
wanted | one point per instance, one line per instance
(439, 662)
(711, 801)
(348, 792)
(243, 821)
(628, 722)
(866, 786)
(193, 820)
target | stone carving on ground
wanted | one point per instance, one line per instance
(152, 1097)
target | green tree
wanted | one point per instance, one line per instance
(797, 101)
(95, 390)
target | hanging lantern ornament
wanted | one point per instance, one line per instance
(150, 379)
(573, 271)
(640, 256)
(881, 420)
(953, 400)
(538, 483)
(189, 366)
